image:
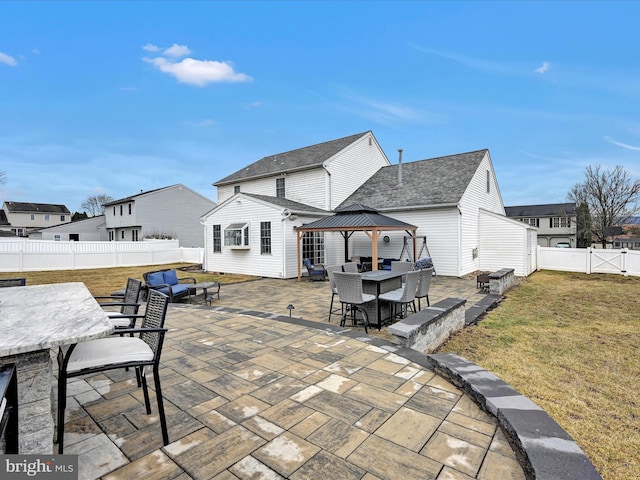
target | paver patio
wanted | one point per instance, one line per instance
(249, 394)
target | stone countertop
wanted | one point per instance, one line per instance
(46, 316)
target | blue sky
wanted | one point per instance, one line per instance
(118, 97)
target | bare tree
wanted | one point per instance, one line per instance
(94, 204)
(611, 195)
(3, 178)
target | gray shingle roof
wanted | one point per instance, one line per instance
(293, 160)
(435, 181)
(547, 210)
(295, 207)
(25, 207)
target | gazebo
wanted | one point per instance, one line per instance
(356, 218)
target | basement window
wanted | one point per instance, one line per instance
(236, 236)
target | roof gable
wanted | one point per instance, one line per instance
(434, 181)
(299, 159)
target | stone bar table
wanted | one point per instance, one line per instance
(375, 283)
(33, 320)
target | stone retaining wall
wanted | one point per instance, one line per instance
(431, 327)
(501, 281)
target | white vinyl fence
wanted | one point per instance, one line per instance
(589, 260)
(24, 255)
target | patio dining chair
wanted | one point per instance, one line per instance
(423, 287)
(352, 298)
(129, 304)
(141, 352)
(403, 296)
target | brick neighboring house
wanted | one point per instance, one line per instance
(556, 222)
(20, 218)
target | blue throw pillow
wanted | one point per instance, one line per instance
(171, 277)
(154, 279)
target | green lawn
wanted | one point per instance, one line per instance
(104, 281)
(571, 342)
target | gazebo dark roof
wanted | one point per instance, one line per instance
(356, 217)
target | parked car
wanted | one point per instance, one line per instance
(563, 245)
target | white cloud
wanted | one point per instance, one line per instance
(543, 68)
(35, 51)
(620, 144)
(207, 122)
(150, 47)
(8, 60)
(177, 51)
(198, 72)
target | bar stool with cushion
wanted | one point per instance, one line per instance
(350, 267)
(349, 287)
(423, 287)
(331, 269)
(403, 296)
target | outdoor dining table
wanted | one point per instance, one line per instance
(33, 320)
(376, 283)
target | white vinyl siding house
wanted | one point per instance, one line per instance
(316, 178)
(169, 212)
(24, 217)
(444, 197)
(556, 222)
(91, 229)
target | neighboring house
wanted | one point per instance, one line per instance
(251, 231)
(556, 222)
(91, 229)
(23, 217)
(170, 212)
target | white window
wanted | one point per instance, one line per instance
(280, 192)
(530, 221)
(265, 238)
(56, 238)
(313, 247)
(62, 218)
(236, 235)
(33, 216)
(217, 239)
(46, 217)
(560, 222)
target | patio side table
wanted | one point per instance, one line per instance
(205, 286)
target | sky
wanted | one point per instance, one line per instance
(121, 97)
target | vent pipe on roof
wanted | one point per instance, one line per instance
(399, 167)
